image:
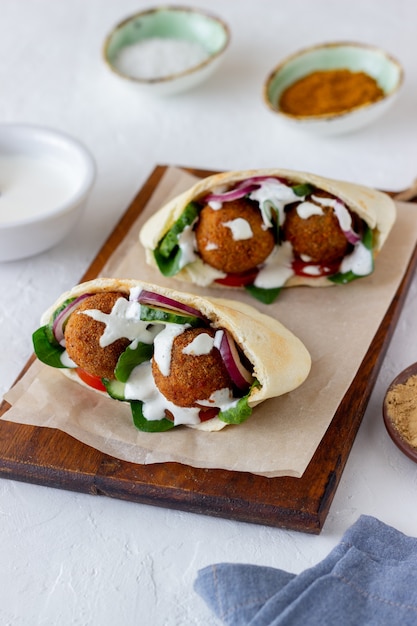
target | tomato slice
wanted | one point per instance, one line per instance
(89, 379)
(238, 280)
(299, 267)
(208, 414)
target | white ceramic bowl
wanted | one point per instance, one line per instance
(45, 179)
(356, 57)
(167, 49)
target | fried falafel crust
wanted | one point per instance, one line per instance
(280, 360)
(216, 244)
(82, 337)
(318, 237)
(191, 377)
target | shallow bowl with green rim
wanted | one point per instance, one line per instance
(356, 57)
(171, 48)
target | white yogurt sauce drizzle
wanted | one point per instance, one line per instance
(312, 270)
(307, 209)
(203, 274)
(340, 210)
(187, 245)
(135, 293)
(123, 321)
(272, 194)
(343, 215)
(202, 344)
(216, 205)
(360, 261)
(141, 386)
(240, 229)
(66, 361)
(220, 398)
(212, 246)
(277, 269)
(163, 346)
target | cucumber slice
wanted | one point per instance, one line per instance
(115, 388)
(303, 189)
(168, 253)
(159, 315)
(170, 240)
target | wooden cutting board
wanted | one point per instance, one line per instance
(50, 457)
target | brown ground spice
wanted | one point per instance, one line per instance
(329, 91)
(402, 407)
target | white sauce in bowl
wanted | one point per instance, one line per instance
(31, 186)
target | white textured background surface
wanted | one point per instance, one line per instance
(68, 558)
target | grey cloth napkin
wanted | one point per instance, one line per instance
(369, 578)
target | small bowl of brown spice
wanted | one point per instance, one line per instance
(400, 411)
(334, 88)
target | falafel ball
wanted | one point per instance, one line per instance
(82, 337)
(219, 248)
(318, 237)
(191, 377)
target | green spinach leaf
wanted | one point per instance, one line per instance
(148, 426)
(47, 352)
(266, 296)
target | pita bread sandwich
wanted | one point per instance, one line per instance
(268, 229)
(177, 358)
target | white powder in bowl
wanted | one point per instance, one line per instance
(158, 57)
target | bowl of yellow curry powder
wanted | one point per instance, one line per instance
(334, 88)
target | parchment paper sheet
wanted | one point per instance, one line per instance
(337, 325)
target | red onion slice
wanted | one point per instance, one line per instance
(351, 236)
(240, 376)
(242, 189)
(58, 325)
(149, 297)
(228, 196)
